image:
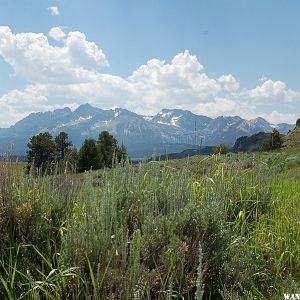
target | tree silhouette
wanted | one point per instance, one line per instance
(92, 155)
(107, 146)
(62, 144)
(41, 151)
(89, 156)
(273, 142)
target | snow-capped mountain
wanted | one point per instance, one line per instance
(173, 127)
(181, 118)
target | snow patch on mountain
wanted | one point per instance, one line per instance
(147, 118)
(164, 114)
(100, 124)
(74, 122)
(169, 126)
(174, 120)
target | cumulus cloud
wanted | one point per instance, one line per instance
(183, 72)
(73, 70)
(229, 83)
(220, 106)
(276, 117)
(53, 10)
(57, 34)
(181, 80)
(272, 90)
(19, 103)
(83, 53)
(35, 59)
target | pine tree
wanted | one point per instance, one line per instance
(62, 144)
(107, 146)
(89, 156)
(41, 151)
(273, 142)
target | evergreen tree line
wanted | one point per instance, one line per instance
(46, 154)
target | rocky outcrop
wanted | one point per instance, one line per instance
(250, 143)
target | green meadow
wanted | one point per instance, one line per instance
(207, 227)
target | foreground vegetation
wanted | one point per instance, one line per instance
(218, 227)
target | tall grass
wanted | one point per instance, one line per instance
(221, 227)
(146, 221)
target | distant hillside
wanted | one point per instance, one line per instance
(250, 143)
(292, 139)
(187, 153)
(153, 150)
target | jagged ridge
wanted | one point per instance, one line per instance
(174, 127)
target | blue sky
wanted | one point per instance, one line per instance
(213, 57)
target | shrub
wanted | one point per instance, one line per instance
(152, 231)
(221, 149)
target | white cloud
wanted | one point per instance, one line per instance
(220, 106)
(73, 71)
(34, 59)
(272, 90)
(83, 53)
(159, 83)
(53, 10)
(57, 34)
(276, 117)
(184, 72)
(19, 103)
(229, 83)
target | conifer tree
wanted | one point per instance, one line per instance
(273, 142)
(62, 144)
(89, 156)
(107, 146)
(41, 151)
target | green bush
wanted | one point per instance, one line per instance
(221, 149)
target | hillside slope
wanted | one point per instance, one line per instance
(292, 139)
(250, 143)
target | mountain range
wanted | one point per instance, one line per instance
(171, 130)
